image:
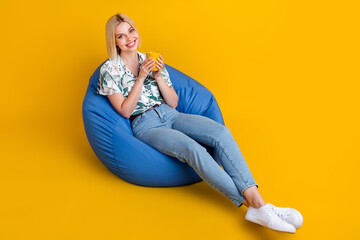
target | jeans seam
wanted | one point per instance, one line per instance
(179, 154)
(222, 149)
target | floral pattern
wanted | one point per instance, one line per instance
(115, 77)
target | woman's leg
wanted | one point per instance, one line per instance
(253, 198)
(209, 132)
(182, 147)
(155, 131)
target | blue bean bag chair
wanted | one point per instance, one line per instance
(111, 138)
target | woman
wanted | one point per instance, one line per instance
(148, 98)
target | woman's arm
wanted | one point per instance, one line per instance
(126, 106)
(168, 93)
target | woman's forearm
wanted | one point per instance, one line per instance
(168, 93)
(129, 104)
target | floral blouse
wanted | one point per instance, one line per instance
(115, 77)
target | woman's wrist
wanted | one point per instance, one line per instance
(158, 78)
(141, 79)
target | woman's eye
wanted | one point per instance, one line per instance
(131, 30)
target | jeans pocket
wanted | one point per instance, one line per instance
(136, 122)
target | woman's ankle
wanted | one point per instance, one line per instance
(257, 204)
(253, 197)
(254, 204)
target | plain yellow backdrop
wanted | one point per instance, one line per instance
(285, 74)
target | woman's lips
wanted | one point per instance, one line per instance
(133, 44)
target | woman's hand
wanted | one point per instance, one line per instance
(159, 65)
(168, 93)
(145, 68)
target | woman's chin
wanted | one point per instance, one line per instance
(130, 50)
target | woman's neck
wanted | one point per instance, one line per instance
(129, 57)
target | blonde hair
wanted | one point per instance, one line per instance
(111, 24)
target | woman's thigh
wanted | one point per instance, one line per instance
(171, 142)
(201, 129)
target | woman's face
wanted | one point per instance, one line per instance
(125, 35)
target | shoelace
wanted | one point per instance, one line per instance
(269, 210)
(276, 218)
(283, 214)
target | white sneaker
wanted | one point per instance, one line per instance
(266, 217)
(289, 215)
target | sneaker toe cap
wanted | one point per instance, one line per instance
(296, 219)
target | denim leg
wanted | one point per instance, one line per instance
(209, 132)
(178, 145)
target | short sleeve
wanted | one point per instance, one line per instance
(165, 75)
(107, 84)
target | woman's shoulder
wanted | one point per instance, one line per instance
(110, 66)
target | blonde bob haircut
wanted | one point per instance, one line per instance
(111, 24)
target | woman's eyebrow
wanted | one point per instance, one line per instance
(122, 33)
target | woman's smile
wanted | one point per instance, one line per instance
(132, 44)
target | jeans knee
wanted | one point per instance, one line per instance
(224, 132)
(194, 153)
(192, 148)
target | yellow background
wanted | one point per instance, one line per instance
(285, 74)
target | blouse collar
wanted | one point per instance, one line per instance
(122, 66)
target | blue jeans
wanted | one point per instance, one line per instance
(179, 134)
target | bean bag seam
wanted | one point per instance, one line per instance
(209, 104)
